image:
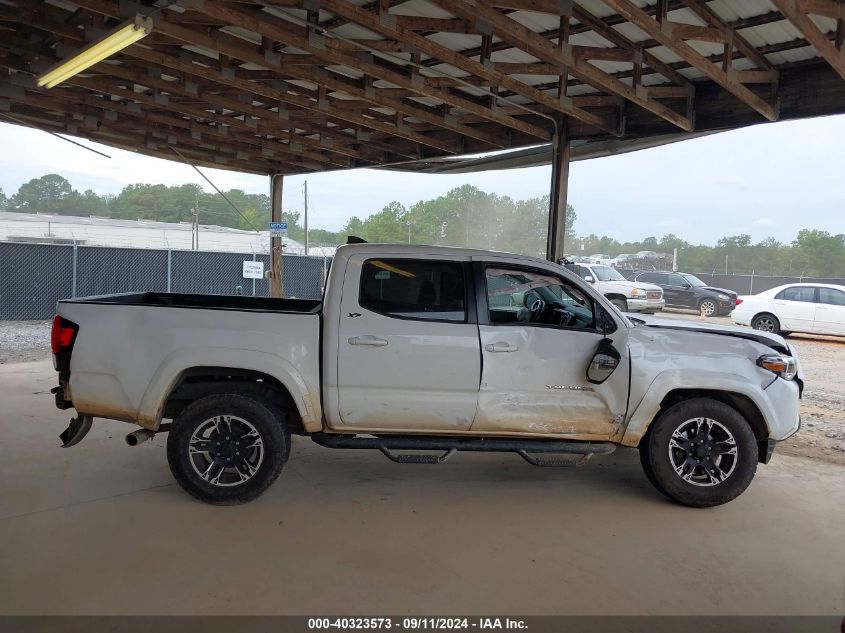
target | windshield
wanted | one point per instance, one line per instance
(694, 281)
(606, 273)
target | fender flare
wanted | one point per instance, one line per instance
(704, 380)
(173, 367)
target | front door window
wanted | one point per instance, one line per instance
(528, 297)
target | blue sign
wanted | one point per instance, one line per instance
(278, 229)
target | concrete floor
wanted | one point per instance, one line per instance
(102, 529)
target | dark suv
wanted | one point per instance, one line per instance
(682, 290)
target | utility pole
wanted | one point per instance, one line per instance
(409, 230)
(195, 221)
(305, 186)
(275, 275)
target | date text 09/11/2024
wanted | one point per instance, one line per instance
(410, 624)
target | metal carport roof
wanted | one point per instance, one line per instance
(293, 86)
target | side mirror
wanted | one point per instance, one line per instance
(686, 286)
(604, 362)
(589, 279)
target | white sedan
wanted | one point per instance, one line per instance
(808, 308)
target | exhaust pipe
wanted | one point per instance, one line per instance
(139, 436)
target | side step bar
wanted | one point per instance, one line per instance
(535, 452)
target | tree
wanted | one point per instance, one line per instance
(165, 204)
(47, 194)
(86, 203)
(4, 201)
(818, 253)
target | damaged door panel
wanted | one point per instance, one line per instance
(538, 335)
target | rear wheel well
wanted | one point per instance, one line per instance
(743, 404)
(764, 313)
(199, 382)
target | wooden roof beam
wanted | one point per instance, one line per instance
(780, 47)
(267, 25)
(303, 104)
(797, 12)
(729, 35)
(488, 71)
(613, 36)
(219, 101)
(238, 48)
(437, 25)
(183, 131)
(676, 44)
(146, 142)
(535, 44)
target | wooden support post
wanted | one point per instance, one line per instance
(276, 290)
(561, 151)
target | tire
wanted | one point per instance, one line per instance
(669, 442)
(219, 475)
(620, 303)
(766, 322)
(709, 307)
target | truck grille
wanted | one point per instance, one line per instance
(654, 294)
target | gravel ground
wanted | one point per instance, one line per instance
(24, 340)
(822, 434)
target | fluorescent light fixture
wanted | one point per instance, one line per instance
(106, 46)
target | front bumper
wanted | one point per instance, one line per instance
(784, 398)
(765, 448)
(725, 307)
(645, 305)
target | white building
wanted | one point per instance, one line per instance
(97, 231)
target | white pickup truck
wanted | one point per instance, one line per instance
(628, 296)
(426, 349)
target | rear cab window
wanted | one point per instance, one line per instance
(431, 290)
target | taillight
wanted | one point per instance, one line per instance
(61, 336)
(738, 301)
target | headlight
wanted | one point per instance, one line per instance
(723, 297)
(784, 366)
(638, 292)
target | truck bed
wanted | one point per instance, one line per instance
(208, 302)
(132, 349)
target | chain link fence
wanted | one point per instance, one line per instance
(755, 284)
(33, 277)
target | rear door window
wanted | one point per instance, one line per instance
(419, 289)
(676, 280)
(832, 296)
(806, 294)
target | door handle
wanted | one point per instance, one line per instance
(368, 339)
(500, 347)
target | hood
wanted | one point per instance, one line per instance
(725, 291)
(633, 284)
(774, 341)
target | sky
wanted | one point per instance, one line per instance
(768, 180)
